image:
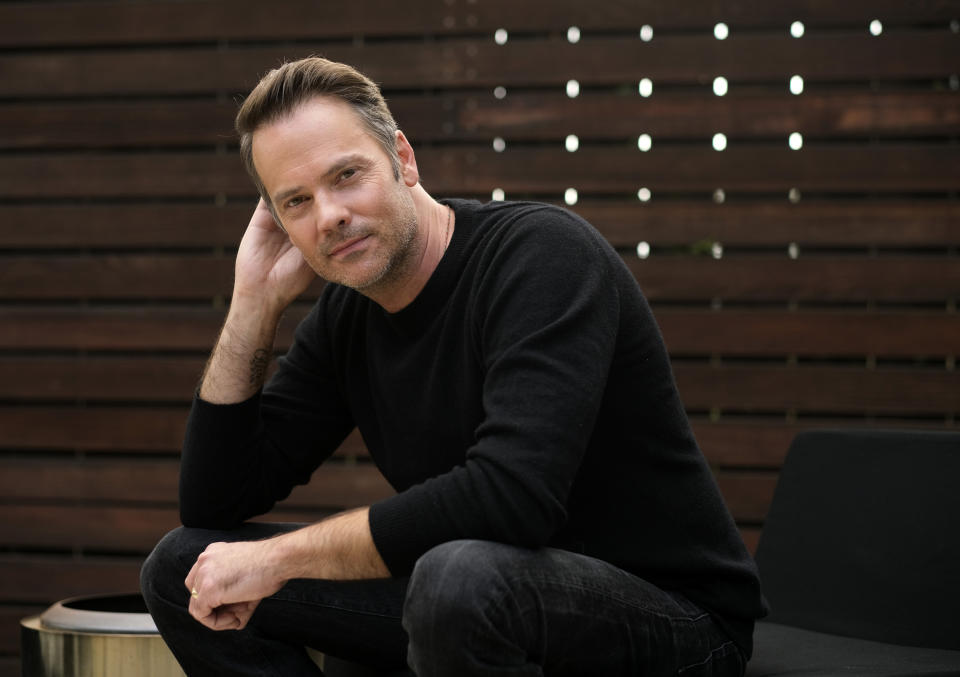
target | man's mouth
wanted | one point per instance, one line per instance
(347, 246)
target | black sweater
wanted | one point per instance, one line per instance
(525, 396)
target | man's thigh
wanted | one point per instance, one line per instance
(565, 613)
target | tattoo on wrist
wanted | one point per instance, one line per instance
(258, 366)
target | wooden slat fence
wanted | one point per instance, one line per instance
(796, 288)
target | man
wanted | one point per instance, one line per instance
(553, 513)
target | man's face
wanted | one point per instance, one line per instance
(333, 188)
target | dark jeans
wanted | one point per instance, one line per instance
(469, 608)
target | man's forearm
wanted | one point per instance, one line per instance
(338, 548)
(238, 364)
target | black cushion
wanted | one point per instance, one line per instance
(863, 537)
(784, 651)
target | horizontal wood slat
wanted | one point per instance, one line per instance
(814, 223)
(518, 117)
(747, 494)
(44, 579)
(116, 528)
(687, 332)
(811, 388)
(766, 168)
(811, 278)
(686, 59)
(810, 333)
(662, 278)
(76, 23)
(109, 429)
(121, 529)
(158, 379)
(144, 481)
(820, 389)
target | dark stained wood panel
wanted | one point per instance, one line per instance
(810, 333)
(158, 379)
(879, 222)
(763, 388)
(819, 389)
(479, 116)
(116, 328)
(478, 170)
(747, 494)
(123, 429)
(44, 579)
(833, 57)
(85, 23)
(663, 278)
(811, 278)
(687, 332)
(100, 528)
(122, 529)
(118, 226)
(116, 276)
(145, 481)
(114, 429)
(843, 223)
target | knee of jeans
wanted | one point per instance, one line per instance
(166, 567)
(453, 583)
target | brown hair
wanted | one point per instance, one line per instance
(282, 89)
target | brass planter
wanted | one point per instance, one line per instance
(101, 636)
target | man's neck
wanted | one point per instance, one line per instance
(435, 224)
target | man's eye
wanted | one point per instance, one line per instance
(294, 201)
(347, 173)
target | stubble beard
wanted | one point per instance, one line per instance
(399, 238)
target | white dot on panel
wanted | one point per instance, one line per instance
(797, 29)
(721, 31)
(646, 87)
(571, 143)
(954, 82)
(955, 26)
(570, 196)
(644, 195)
(793, 250)
(876, 27)
(795, 141)
(643, 250)
(794, 195)
(498, 195)
(501, 36)
(720, 86)
(646, 32)
(500, 92)
(644, 142)
(573, 35)
(716, 251)
(719, 141)
(796, 85)
(499, 144)
(573, 89)
(719, 196)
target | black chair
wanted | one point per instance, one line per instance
(860, 557)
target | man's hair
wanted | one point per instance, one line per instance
(282, 89)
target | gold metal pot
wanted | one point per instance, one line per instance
(103, 636)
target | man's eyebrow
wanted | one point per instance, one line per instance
(335, 168)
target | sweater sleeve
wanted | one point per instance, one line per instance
(239, 459)
(546, 315)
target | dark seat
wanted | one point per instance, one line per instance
(860, 557)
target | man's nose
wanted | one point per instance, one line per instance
(331, 215)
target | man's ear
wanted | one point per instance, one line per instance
(409, 173)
